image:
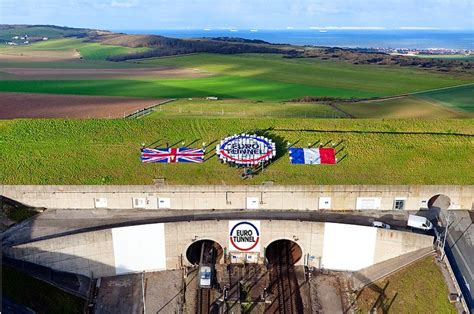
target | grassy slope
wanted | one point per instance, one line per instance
(107, 151)
(243, 108)
(38, 295)
(419, 288)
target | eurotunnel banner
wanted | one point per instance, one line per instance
(245, 149)
(244, 236)
(172, 155)
(312, 156)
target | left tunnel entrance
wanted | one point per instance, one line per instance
(204, 251)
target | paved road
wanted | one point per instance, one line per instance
(460, 251)
(55, 223)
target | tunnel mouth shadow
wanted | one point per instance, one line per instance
(193, 252)
(274, 251)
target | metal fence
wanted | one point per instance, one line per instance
(143, 112)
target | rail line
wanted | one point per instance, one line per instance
(284, 284)
(204, 301)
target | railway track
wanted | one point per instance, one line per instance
(284, 284)
(204, 301)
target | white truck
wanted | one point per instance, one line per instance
(419, 222)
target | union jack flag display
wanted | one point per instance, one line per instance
(174, 154)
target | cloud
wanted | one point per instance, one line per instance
(123, 4)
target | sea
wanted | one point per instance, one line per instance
(411, 39)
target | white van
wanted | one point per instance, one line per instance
(419, 222)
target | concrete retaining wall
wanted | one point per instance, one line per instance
(92, 253)
(339, 197)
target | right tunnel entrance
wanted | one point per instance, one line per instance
(283, 286)
(283, 251)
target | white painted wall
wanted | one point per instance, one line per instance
(348, 247)
(139, 248)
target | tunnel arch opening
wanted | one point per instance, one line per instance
(207, 250)
(439, 202)
(283, 248)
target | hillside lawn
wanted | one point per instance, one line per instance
(419, 288)
(107, 151)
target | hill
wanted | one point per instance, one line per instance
(40, 31)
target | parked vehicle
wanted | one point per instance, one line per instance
(419, 222)
(379, 224)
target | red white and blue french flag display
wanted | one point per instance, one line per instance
(312, 156)
(172, 155)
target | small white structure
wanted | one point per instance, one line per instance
(212, 98)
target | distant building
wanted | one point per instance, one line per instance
(45, 38)
(212, 98)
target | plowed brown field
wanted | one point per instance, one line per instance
(20, 105)
(80, 74)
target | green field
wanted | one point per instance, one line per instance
(244, 109)
(399, 108)
(87, 50)
(419, 288)
(221, 86)
(377, 80)
(107, 151)
(249, 76)
(461, 98)
(455, 57)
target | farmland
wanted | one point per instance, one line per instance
(24, 105)
(264, 77)
(107, 151)
(375, 80)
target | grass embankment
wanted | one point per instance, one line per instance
(419, 288)
(38, 295)
(107, 151)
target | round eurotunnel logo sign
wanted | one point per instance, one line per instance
(244, 236)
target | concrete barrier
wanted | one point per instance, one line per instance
(295, 197)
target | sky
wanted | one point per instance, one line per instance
(240, 14)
